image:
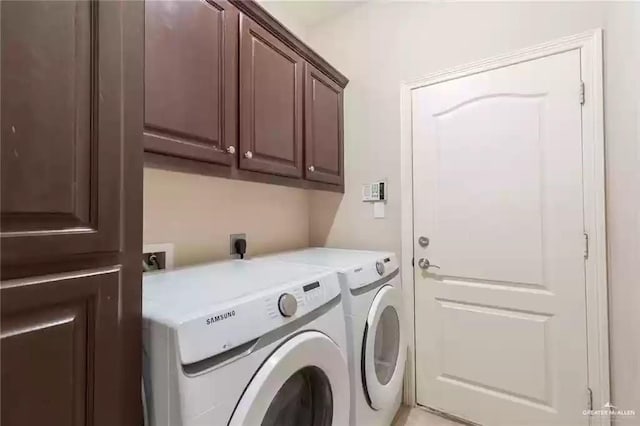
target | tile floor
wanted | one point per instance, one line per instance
(408, 416)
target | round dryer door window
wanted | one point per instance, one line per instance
(386, 345)
(304, 382)
(383, 349)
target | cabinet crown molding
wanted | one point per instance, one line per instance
(256, 12)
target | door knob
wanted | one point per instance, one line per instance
(311, 168)
(424, 263)
(423, 241)
(248, 155)
(231, 149)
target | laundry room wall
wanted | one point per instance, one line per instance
(290, 17)
(197, 213)
(380, 44)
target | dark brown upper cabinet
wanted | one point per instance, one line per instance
(225, 96)
(60, 131)
(323, 128)
(191, 79)
(270, 103)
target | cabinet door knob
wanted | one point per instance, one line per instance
(231, 149)
(248, 154)
(311, 168)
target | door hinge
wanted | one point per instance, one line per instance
(589, 399)
(582, 93)
(586, 245)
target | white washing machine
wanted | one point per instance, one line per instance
(245, 343)
(376, 333)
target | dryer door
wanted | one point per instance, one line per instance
(304, 382)
(384, 349)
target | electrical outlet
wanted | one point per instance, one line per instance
(232, 240)
(154, 261)
(157, 256)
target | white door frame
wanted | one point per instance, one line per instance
(590, 45)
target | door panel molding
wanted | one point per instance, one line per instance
(69, 324)
(589, 45)
(61, 173)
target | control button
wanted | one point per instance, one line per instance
(380, 268)
(287, 304)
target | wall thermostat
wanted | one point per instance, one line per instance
(376, 191)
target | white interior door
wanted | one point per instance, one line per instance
(500, 326)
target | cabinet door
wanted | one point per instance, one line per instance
(191, 79)
(323, 128)
(270, 103)
(61, 128)
(59, 349)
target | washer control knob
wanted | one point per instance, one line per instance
(287, 305)
(380, 268)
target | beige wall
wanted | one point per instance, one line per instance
(287, 15)
(197, 214)
(379, 44)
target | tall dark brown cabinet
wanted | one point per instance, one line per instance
(71, 126)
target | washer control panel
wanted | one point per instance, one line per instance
(221, 328)
(371, 271)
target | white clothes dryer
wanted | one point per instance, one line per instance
(376, 336)
(245, 343)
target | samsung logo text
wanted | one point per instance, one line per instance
(221, 317)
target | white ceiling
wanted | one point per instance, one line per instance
(307, 13)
